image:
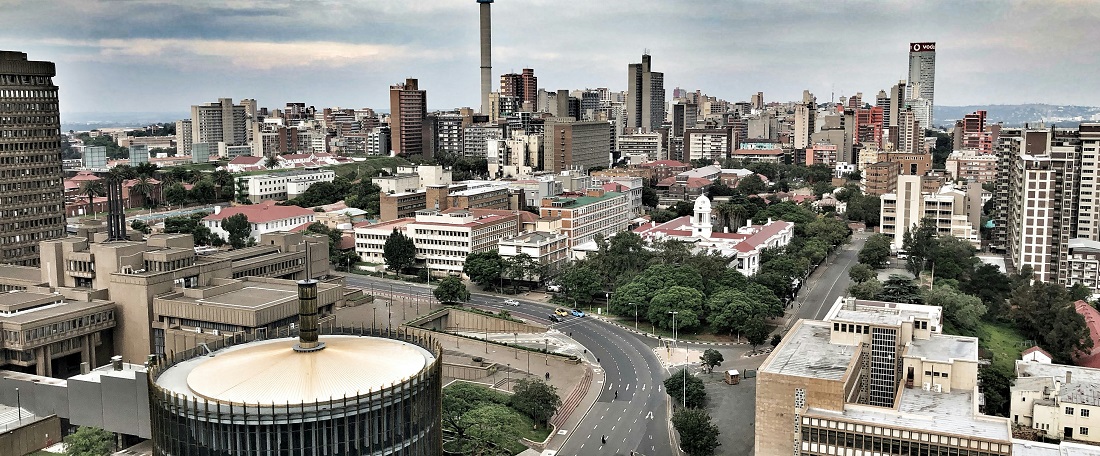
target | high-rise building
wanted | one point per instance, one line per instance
(183, 137)
(684, 116)
(910, 133)
(576, 145)
(408, 107)
(951, 210)
(31, 188)
(882, 100)
(758, 100)
(922, 77)
(804, 117)
(645, 95)
(221, 122)
(523, 86)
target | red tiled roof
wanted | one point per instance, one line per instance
(1092, 319)
(84, 176)
(615, 187)
(294, 156)
(245, 160)
(261, 213)
(347, 242)
(300, 228)
(698, 182)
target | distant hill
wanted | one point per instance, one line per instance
(83, 121)
(1017, 115)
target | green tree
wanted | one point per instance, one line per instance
(241, 191)
(89, 441)
(462, 397)
(146, 169)
(992, 287)
(491, 430)
(861, 273)
(698, 436)
(222, 180)
(536, 399)
(962, 310)
(239, 230)
(686, 302)
(1079, 292)
(203, 192)
(450, 289)
(750, 185)
(756, 331)
(918, 244)
(899, 288)
(649, 197)
(271, 162)
(91, 189)
(581, 281)
(876, 251)
(144, 186)
(996, 385)
(869, 289)
(712, 358)
(695, 393)
(175, 194)
(521, 267)
(484, 268)
(1044, 312)
(399, 251)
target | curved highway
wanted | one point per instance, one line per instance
(635, 421)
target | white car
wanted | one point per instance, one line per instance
(512, 302)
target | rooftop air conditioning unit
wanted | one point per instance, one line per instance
(927, 386)
(939, 388)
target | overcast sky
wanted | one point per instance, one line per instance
(149, 55)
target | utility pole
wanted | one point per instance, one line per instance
(635, 315)
(675, 345)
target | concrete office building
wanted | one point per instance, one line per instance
(969, 165)
(221, 122)
(51, 335)
(31, 188)
(910, 137)
(684, 117)
(442, 197)
(598, 212)
(183, 137)
(266, 217)
(335, 391)
(922, 79)
(877, 378)
(131, 273)
(805, 115)
(261, 187)
(408, 108)
(546, 245)
(523, 86)
(576, 145)
(645, 96)
(443, 133)
(200, 153)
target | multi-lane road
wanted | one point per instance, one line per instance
(636, 420)
(830, 281)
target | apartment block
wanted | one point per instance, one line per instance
(972, 166)
(881, 178)
(641, 147)
(408, 108)
(517, 157)
(709, 144)
(31, 203)
(821, 154)
(442, 197)
(954, 212)
(875, 378)
(475, 140)
(183, 137)
(221, 122)
(645, 104)
(583, 217)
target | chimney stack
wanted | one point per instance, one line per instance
(307, 317)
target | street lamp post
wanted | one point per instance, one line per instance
(515, 343)
(676, 345)
(546, 349)
(635, 315)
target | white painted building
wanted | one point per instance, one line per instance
(282, 186)
(265, 217)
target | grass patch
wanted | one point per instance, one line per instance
(1004, 341)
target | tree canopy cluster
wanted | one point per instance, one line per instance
(491, 270)
(698, 435)
(487, 422)
(361, 194)
(192, 224)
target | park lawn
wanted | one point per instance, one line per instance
(1004, 341)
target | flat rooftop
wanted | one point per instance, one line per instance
(22, 307)
(940, 413)
(806, 352)
(1058, 371)
(944, 348)
(254, 295)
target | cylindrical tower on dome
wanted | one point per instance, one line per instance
(369, 391)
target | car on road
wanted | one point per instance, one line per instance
(562, 312)
(554, 318)
(512, 302)
(577, 313)
(553, 288)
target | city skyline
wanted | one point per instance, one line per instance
(151, 56)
